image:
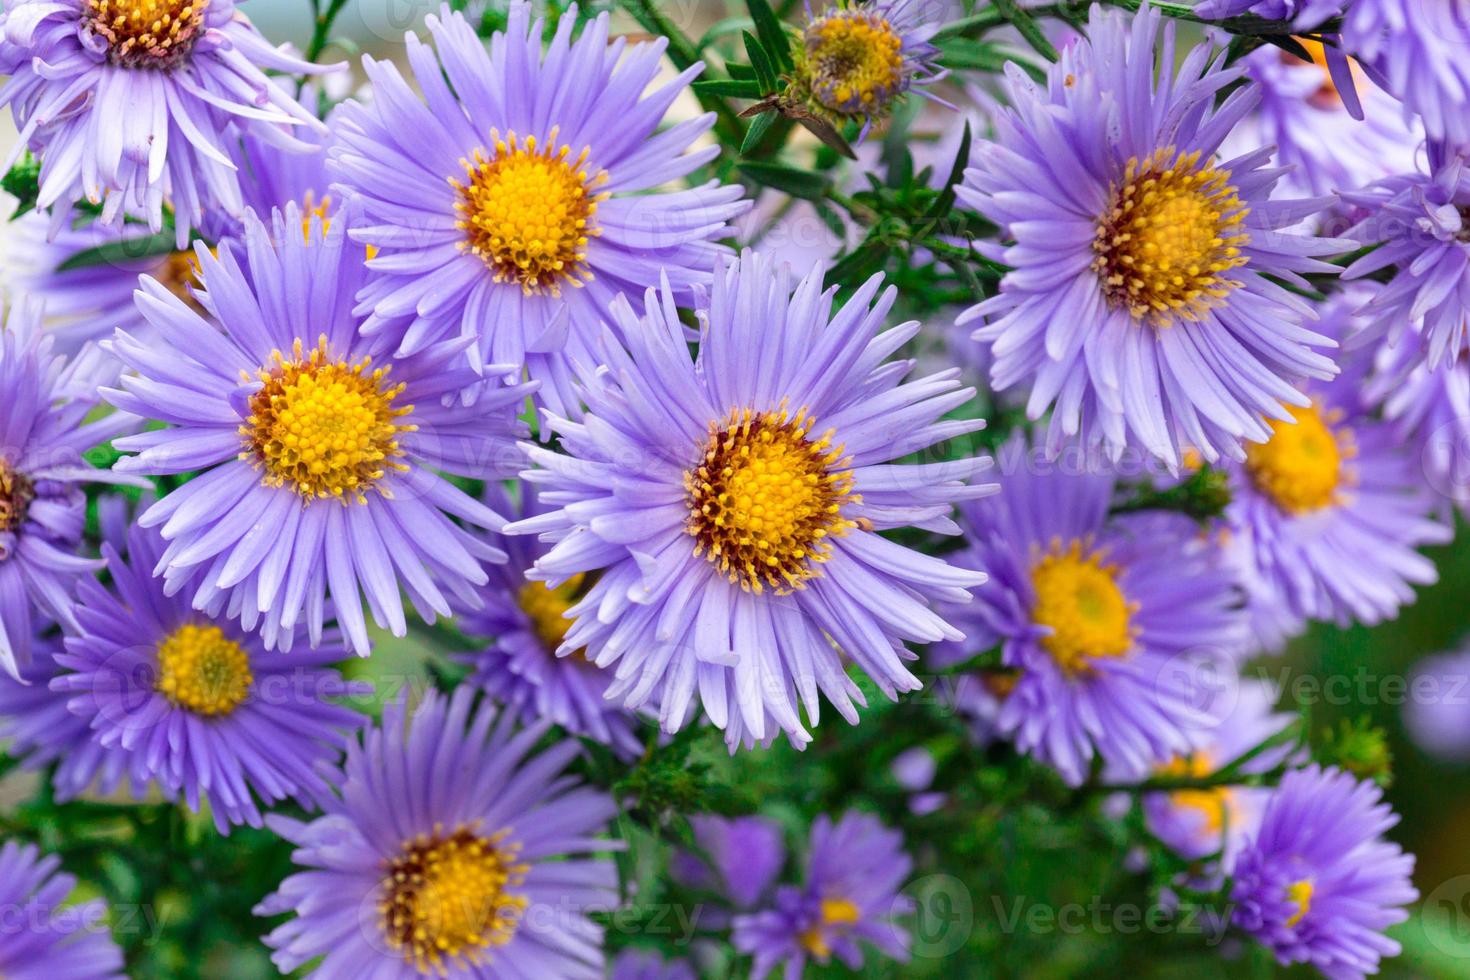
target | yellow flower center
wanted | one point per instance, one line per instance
(16, 494)
(546, 608)
(1300, 466)
(201, 669)
(147, 33)
(1215, 804)
(1078, 598)
(1300, 893)
(324, 427)
(853, 62)
(1172, 233)
(765, 498)
(837, 914)
(528, 211)
(178, 273)
(448, 899)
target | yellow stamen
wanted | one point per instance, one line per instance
(16, 494)
(1300, 466)
(447, 900)
(765, 498)
(324, 427)
(1300, 892)
(1078, 598)
(155, 34)
(851, 62)
(527, 211)
(546, 608)
(201, 669)
(1170, 237)
(838, 914)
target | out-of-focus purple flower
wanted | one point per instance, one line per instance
(731, 503)
(1437, 713)
(1197, 823)
(1318, 883)
(452, 850)
(1327, 514)
(854, 871)
(319, 453)
(523, 191)
(1304, 14)
(195, 704)
(1418, 50)
(1107, 623)
(42, 937)
(527, 621)
(131, 104)
(1144, 305)
(739, 858)
(635, 964)
(46, 402)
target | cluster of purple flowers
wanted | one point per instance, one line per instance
(476, 349)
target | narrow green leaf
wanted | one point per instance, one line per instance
(761, 62)
(1023, 22)
(777, 42)
(945, 201)
(736, 88)
(126, 251)
(23, 182)
(797, 183)
(759, 127)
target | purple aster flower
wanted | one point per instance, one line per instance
(1318, 883)
(43, 433)
(634, 964)
(1143, 304)
(130, 103)
(739, 858)
(1197, 823)
(527, 620)
(854, 871)
(1437, 713)
(87, 303)
(856, 60)
(1112, 625)
(1417, 50)
(1304, 115)
(1419, 223)
(318, 453)
(195, 703)
(518, 196)
(1304, 14)
(452, 850)
(39, 730)
(731, 503)
(42, 937)
(1328, 511)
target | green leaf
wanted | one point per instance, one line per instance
(945, 201)
(127, 250)
(1023, 22)
(797, 183)
(761, 62)
(735, 88)
(736, 70)
(23, 181)
(777, 42)
(759, 127)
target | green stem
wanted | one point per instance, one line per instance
(322, 26)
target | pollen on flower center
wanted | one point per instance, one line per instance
(546, 608)
(1169, 238)
(203, 670)
(1078, 598)
(16, 494)
(1300, 894)
(147, 33)
(853, 62)
(1300, 466)
(1215, 804)
(528, 211)
(179, 272)
(448, 898)
(324, 427)
(764, 499)
(837, 914)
